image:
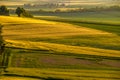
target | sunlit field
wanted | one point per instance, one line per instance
(63, 74)
(63, 48)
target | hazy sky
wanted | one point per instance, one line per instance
(13, 2)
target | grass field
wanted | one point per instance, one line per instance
(100, 16)
(59, 49)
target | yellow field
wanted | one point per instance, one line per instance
(63, 48)
(69, 74)
(84, 62)
(18, 31)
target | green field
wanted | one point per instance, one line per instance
(81, 47)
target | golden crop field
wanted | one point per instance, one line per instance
(17, 30)
(57, 50)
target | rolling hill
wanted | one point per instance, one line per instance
(25, 31)
(44, 49)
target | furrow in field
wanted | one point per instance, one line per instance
(47, 30)
(64, 48)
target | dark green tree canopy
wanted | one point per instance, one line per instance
(21, 12)
(4, 10)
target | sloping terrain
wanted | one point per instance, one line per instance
(24, 30)
(72, 50)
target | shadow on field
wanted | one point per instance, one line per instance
(34, 77)
(50, 78)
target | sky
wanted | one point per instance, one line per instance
(15, 2)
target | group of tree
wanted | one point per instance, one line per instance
(21, 12)
(46, 5)
(76, 10)
(4, 10)
(95, 9)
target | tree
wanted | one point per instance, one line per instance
(21, 12)
(4, 10)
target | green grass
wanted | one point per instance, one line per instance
(108, 28)
(95, 17)
(111, 17)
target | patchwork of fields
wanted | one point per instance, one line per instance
(58, 49)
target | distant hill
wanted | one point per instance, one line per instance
(60, 1)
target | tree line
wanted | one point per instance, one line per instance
(21, 12)
(95, 9)
(46, 5)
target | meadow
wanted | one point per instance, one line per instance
(64, 47)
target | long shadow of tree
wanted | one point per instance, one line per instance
(35, 77)
(50, 78)
(1, 42)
